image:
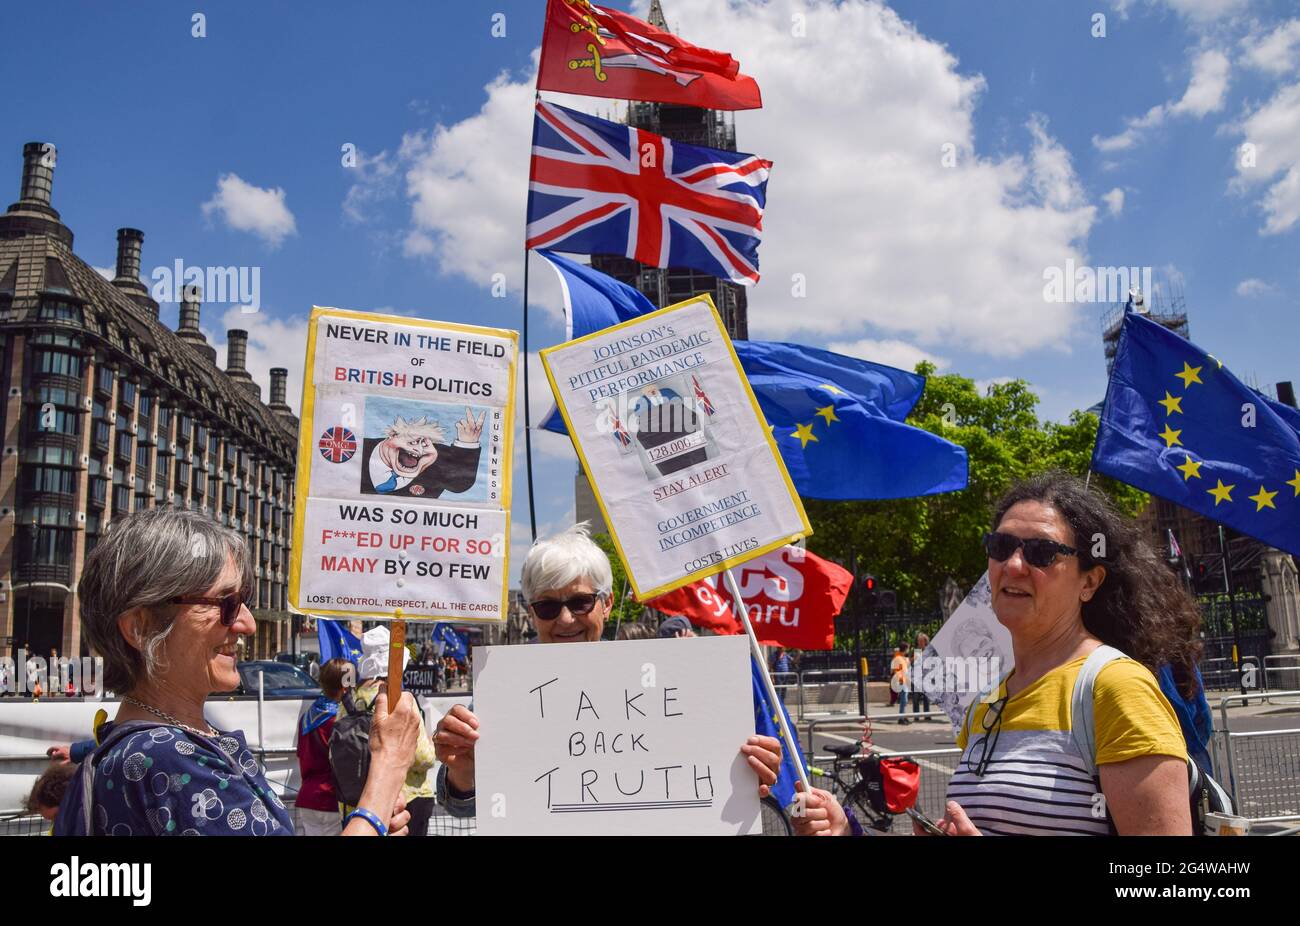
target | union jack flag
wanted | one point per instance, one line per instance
(338, 444)
(596, 187)
(702, 397)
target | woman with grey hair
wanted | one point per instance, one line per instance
(567, 583)
(163, 602)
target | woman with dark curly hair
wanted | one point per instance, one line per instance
(1070, 575)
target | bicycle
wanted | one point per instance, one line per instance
(851, 790)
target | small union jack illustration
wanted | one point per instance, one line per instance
(338, 444)
(620, 432)
(701, 397)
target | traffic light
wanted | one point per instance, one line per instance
(867, 593)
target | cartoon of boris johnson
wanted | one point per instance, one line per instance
(412, 460)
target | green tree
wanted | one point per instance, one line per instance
(914, 544)
(623, 608)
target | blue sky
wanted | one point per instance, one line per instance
(903, 257)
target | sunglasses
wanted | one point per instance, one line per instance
(1038, 552)
(992, 724)
(548, 609)
(229, 604)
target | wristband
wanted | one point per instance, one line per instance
(369, 818)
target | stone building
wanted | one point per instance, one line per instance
(109, 411)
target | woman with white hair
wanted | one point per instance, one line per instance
(163, 602)
(567, 583)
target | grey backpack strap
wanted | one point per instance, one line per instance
(1082, 723)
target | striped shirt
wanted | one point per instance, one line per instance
(1036, 782)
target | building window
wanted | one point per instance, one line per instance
(56, 310)
(146, 405)
(124, 447)
(121, 498)
(127, 393)
(98, 490)
(57, 395)
(184, 428)
(55, 456)
(44, 420)
(57, 363)
(104, 380)
(48, 479)
(141, 459)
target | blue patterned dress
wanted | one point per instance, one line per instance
(164, 781)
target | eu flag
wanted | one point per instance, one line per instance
(838, 421)
(766, 724)
(1179, 425)
(450, 643)
(336, 641)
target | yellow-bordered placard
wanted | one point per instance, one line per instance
(307, 438)
(712, 568)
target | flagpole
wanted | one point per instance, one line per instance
(528, 416)
(790, 744)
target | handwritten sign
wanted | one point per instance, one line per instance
(679, 456)
(625, 738)
(403, 485)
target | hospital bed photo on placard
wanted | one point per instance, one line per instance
(424, 449)
(671, 421)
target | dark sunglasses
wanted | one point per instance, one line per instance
(548, 609)
(229, 604)
(1038, 552)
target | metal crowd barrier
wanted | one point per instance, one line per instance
(823, 688)
(1262, 767)
(1286, 665)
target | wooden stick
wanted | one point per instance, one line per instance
(396, 645)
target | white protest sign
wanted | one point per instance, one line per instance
(624, 738)
(403, 485)
(679, 456)
(967, 657)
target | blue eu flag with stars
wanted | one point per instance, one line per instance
(336, 641)
(1179, 425)
(838, 421)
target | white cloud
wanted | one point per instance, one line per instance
(272, 342)
(886, 236)
(376, 181)
(1254, 287)
(108, 273)
(1272, 131)
(1206, 92)
(891, 353)
(983, 385)
(1114, 201)
(1275, 53)
(1201, 12)
(418, 244)
(249, 208)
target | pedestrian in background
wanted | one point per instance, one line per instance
(317, 805)
(918, 689)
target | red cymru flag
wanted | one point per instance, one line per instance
(595, 51)
(792, 596)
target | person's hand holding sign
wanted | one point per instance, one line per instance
(453, 743)
(470, 430)
(763, 753)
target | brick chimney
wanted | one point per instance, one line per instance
(188, 330)
(127, 279)
(279, 388)
(34, 213)
(236, 356)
